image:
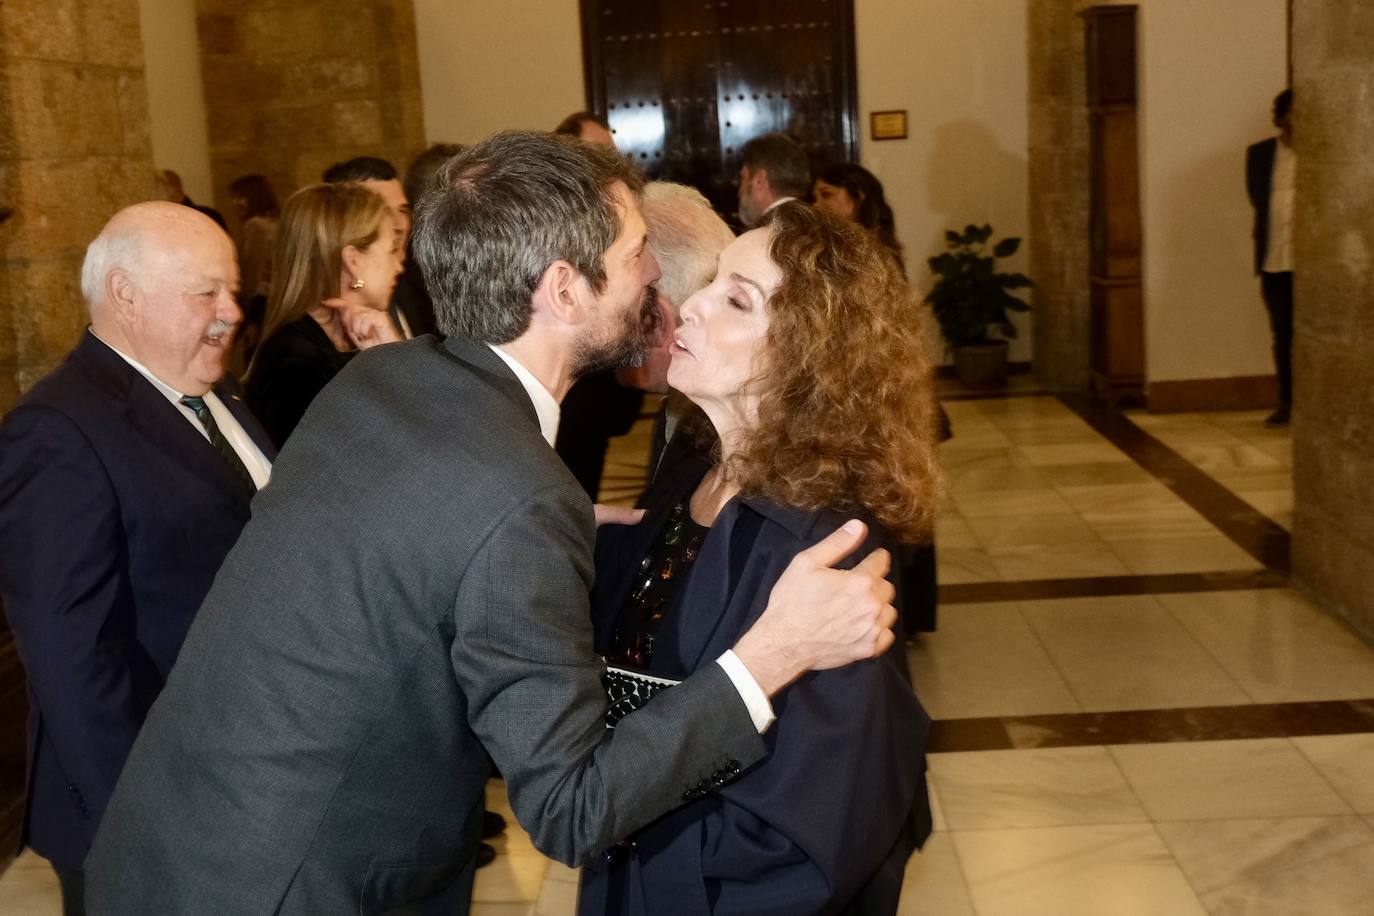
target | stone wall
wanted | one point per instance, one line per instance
(73, 149)
(292, 86)
(1059, 192)
(1333, 435)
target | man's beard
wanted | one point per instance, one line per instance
(629, 347)
(748, 213)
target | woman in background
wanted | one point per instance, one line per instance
(338, 255)
(855, 193)
(257, 211)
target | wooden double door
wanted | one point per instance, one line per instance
(685, 85)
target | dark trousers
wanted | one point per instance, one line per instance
(595, 409)
(1277, 290)
(73, 885)
(918, 588)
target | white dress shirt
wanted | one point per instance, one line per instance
(252, 457)
(777, 203)
(1278, 251)
(546, 407)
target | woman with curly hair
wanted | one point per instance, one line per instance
(802, 357)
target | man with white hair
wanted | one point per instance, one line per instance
(125, 477)
(686, 236)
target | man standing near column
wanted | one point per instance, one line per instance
(1271, 168)
(125, 477)
(773, 169)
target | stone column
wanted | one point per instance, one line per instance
(1059, 192)
(73, 149)
(292, 86)
(1333, 430)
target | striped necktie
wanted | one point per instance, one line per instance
(221, 444)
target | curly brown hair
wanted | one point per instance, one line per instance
(847, 416)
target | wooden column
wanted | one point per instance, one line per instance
(1117, 309)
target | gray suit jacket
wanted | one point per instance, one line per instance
(412, 588)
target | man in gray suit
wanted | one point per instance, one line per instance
(413, 587)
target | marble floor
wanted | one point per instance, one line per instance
(1135, 711)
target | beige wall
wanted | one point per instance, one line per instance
(176, 95)
(959, 68)
(1209, 72)
(486, 67)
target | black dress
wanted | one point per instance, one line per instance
(289, 369)
(826, 823)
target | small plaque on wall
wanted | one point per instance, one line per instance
(887, 125)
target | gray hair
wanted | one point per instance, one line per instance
(119, 244)
(500, 213)
(686, 236)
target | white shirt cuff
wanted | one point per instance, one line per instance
(760, 710)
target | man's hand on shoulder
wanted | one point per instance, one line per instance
(819, 617)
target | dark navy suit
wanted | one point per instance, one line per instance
(115, 514)
(823, 825)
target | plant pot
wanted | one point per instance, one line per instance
(982, 365)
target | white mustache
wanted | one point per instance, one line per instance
(218, 329)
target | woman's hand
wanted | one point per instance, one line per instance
(365, 327)
(616, 515)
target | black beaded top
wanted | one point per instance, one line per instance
(660, 577)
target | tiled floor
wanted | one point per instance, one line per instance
(1275, 824)
(1036, 493)
(1234, 448)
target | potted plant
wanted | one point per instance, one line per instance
(971, 299)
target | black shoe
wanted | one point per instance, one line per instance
(1277, 419)
(493, 825)
(486, 854)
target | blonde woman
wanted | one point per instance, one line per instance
(338, 255)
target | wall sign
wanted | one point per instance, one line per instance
(887, 125)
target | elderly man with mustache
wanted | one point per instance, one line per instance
(125, 477)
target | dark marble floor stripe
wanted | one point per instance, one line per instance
(1153, 726)
(1250, 529)
(1107, 586)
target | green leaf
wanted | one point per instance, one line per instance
(1006, 248)
(970, 297)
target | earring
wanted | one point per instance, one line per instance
(357, 284)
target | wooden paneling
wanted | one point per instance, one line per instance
(685, 85)
(1117, 308)
(1245, 392)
